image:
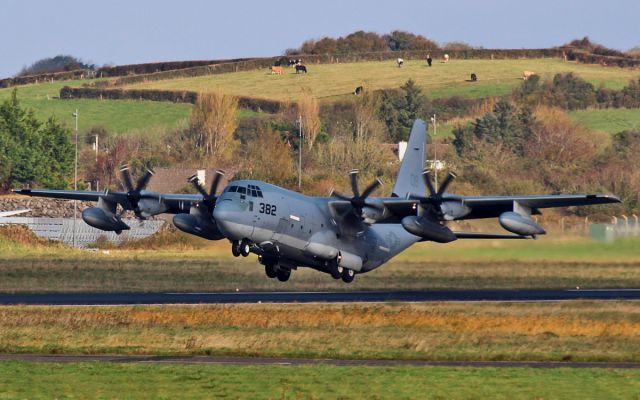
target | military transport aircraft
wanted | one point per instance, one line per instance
(342, 235)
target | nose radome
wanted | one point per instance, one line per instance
(227, 216)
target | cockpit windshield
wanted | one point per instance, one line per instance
(250, 190)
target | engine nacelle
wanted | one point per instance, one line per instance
(197, 226)
(98, 218)
(427, 229)
(520, 224)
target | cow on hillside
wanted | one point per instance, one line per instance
(301, 68)
(527, 74)
(400, 62)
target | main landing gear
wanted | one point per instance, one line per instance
(273, 270)
(337, 272)
(241, 248)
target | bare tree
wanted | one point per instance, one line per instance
(310, 112)
(366, 109)
(213, 121)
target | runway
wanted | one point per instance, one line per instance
(314, 297)
(61, 358)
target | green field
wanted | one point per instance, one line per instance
(118, 116)
(171, 381)
(330, 81)
(612, 120)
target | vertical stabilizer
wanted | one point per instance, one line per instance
(409, 178)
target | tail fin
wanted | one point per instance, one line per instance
(409, 178)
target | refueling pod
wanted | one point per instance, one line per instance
(103, 220)
(520, 224)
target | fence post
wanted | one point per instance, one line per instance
(586, 225)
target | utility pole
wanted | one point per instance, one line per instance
(435, 151)
(75, 181)
(96, 144)
(300, 154)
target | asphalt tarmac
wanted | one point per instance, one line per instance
(314, 297)
(58, 358)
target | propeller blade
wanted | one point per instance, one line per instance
(446, 182)
(340, 196)
(216, 182)
(354, 182)
(369, 189)
(126, 177)
(143, 181)
(427, 181)
(193, 179)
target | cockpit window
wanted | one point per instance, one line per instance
(242, 190)
(232, 189)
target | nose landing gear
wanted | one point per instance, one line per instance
(241, 247)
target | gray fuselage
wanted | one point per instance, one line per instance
(301, 228)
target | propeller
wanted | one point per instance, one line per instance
(134, 193)
(436, 197)
(359, 200)
(208, 199)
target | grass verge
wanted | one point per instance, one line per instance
(575, 330)
(109, 380)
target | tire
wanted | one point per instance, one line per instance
(271, 270)
(245, 247)
(235, 248)
(334, 269)
(283, 274)
(348, 275)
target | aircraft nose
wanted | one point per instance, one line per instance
(228, 219)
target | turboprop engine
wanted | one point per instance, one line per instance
(520, 224)
(104, 217)
(197, 223)
(427, 229)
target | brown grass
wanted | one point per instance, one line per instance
(499, 331)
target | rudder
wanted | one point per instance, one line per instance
(409, 178)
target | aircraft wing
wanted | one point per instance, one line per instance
(82, 195)
(176, 203)
(471, 207)
(493, 206)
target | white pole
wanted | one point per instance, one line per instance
(300, 154)
(435, 151)
(75, 182)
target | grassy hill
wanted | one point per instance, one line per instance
(330, 81)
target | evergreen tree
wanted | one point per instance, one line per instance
(32, 152)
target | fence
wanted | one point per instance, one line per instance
(61, 229)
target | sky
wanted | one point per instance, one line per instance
(137, 31)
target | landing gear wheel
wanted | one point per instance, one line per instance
(348, 275)
(235, 248)
(271, 270)
(334, 269)
(245, 248)
(283, 274)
